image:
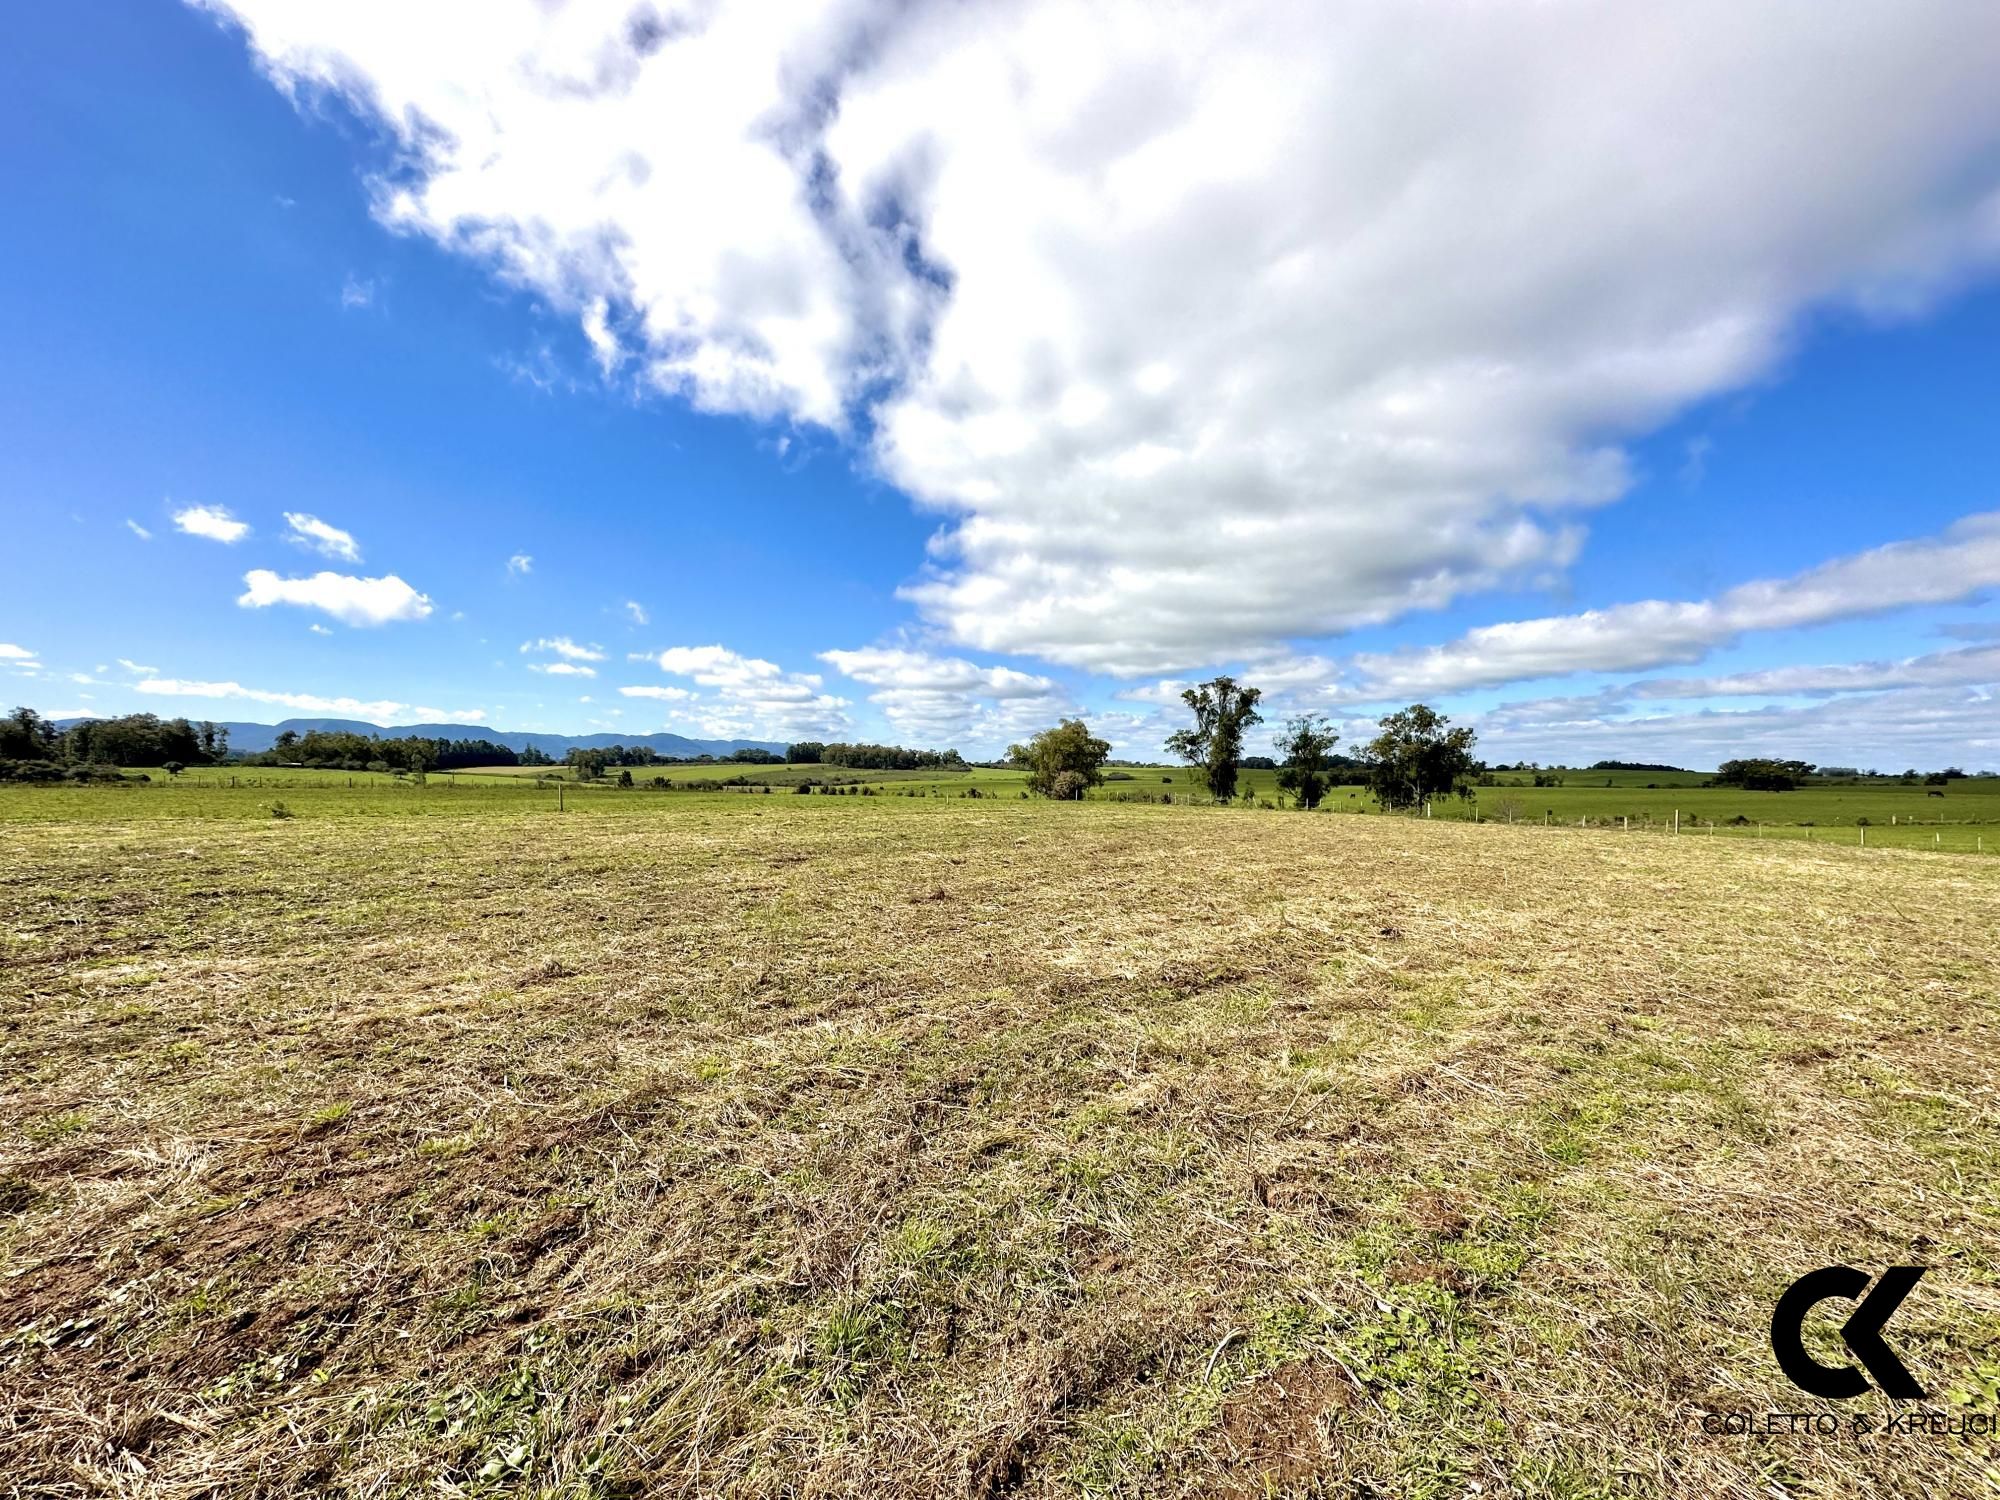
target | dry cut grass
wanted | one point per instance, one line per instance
(793, 1147)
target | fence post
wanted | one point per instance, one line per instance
(1864, 838)
(1677, 820)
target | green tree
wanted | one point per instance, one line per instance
(1307, 745)
(1416, 758)
(1763, 775)
(1214, 746)
(1063, 761)
(26, 735)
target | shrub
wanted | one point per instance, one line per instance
(279, 810)
(1068, 786)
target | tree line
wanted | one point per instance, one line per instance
(872, 757)
(32, 747)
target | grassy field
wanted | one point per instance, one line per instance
(781, 1145)
(1965, 820)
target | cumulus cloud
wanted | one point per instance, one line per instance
(748, 697)
(10, 652)
(351, 600)
(1207, 328)
(562, 669)
(662, 694)
(563, 646)
(211, 521)
(1631, 637)
(326, 539)
(942, 699)
(378, 710)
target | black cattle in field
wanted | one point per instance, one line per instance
(1933, 794)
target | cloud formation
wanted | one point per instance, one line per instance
(351, 600)
(378, 710)
(211, 521)
(563, 646)
(325, 539)
(747, 697)
(1960, 563)
(1973, 666)
(939, 700)
(1921, 726)
(1207, 328)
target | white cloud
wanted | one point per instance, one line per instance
(356, 293)
(562, 669)
(329, 540)
(351, 600)
(597, 329)
(520, 563)
(211, 521)
(938, 699)
(1207, 327)
(11, 652)
(563, 646)
(137, 530)
(1632, 637)
(1922, 726)
(663, 694)
(750, 698)
(136, 669)
(1971, 667)
(379, 710)
(636, 612)
(318, 629)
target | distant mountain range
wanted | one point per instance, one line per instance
(250, 738)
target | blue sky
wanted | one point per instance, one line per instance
(564, 377)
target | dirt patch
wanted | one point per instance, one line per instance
(1273, 1434)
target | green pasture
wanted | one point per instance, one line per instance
(1881, 814)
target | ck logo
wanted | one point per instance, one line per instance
(1862, 1332)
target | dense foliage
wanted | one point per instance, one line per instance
(131, 740)
(1214, 746)
(1763, 775)
(1416, 757)
(348, 750)
(1307, 745)
(1064, 761)
(873, 757)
